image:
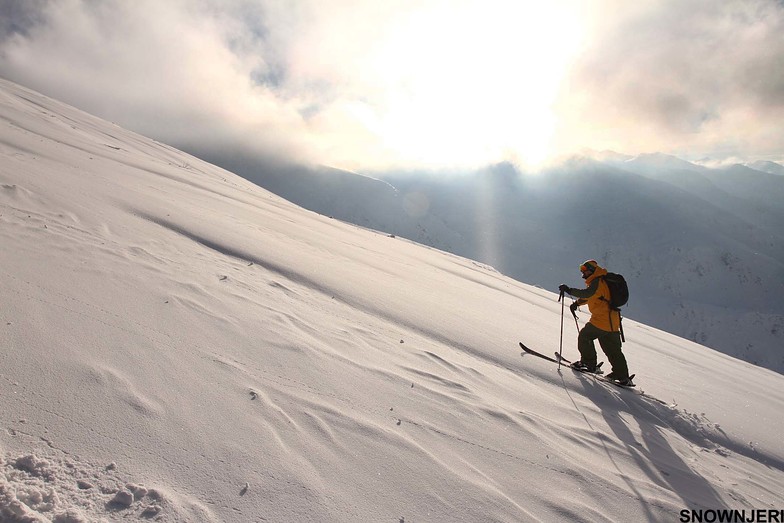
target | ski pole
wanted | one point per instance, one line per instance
(560, 347)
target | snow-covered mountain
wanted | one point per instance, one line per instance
(178, 344)
(767, 167)
(703, 249)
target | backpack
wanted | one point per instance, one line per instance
(619, 291)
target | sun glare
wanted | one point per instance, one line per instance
(471, 82)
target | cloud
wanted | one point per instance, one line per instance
(354, 83)
(696, 76)
(179, 71)
(16, 17)
(365, 84)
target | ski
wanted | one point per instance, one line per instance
(554, 360)
(539, 354)
(566, 362)
(632, 388)
(598, 376)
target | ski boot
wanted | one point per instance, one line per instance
(582, 367)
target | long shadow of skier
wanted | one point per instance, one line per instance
(650, 516)
(663, 464)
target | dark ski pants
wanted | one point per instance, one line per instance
(611, 345)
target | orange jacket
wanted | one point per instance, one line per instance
(598, 300)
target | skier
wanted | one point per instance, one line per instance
(604, 325)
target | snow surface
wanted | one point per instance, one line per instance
(178, 344)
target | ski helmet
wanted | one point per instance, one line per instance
(588, 267)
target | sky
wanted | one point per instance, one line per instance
(366, 85)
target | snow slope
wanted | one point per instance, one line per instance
(177, 344)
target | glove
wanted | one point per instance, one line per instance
(564, 288)
(573, 307)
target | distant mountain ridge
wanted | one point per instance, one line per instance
(767, 167)
(703, 247)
